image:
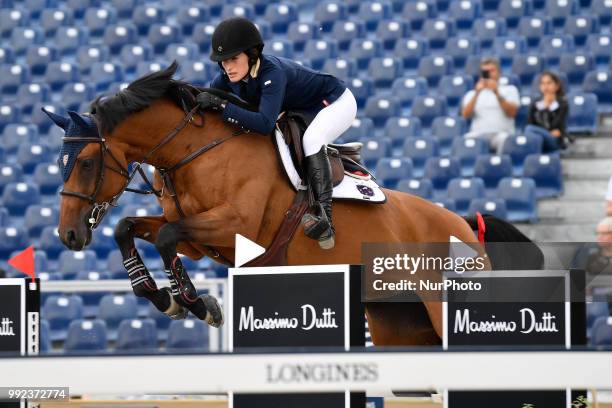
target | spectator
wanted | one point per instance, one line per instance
(609, 198)
(548, 116)
(491, 106)
(595, 257)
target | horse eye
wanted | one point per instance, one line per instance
(87, 164)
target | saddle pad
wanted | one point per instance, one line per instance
(351, 187)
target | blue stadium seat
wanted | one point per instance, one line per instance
(521, 117)
(372, 12)
(440, 170)
(361, 128)
(447, 128)
(37, 6)
(191, 14)
(4, 217)
(97, 19)
(582, 112)
(91, 300)
(559, 10)
(600, 46)
(238, 10)
(602, 9)
(9, 173)
(382, 107)
(215, 7)
(118, 35)
(161, 35)
(513, 10)
(105, 73)
(466, 151)
(317, 51)
(11, 18)
(195, 73)
(519, 147)
(427, 108)
(493, 206)
(280, 15)
(147, 67)
(79, 7)
(183, 52)
(23, 37)
(103, 241)
(472, 66)
(17, 134)
(417, 12)
(391, 32)
(520, 196)
(8, 115)
(389, 171)
(146, 15)
(488, 29)
(433, 68)
(460, 48)
(188, 335)
(16, 197)
(58, 74)
(28, 156)
(580, 27)
(419, 150)
(50, 243)
(546, 171)
(113, 309)
(463, 191)
(411, 51)
(527, 66)
(345, 69)
(464, 12)
(601, 333)
(86, 336)
(534, 28)
(362, 88)
(454, 88)
(375, 149)
(12, 239)
(383, 71)
(30, 94)
(437, 31)
(73, 94)
(595, 310)
(125, 7)
(47, 177)
(39, 216)
(327, 13)
(492, 168)
(407, 88)
(552, 47)
(600, 83)
(44, 337)
(88, 55)
(507, 47)
(363, 50)
(70, 263)
(13, 76)
(398, 129)
(59, 311)
(52, 19)
(138, 335)
(280, 48)
(39, 56)
(344, 32)
(132, 54)
(420, 188)
(69, 39)
(576, 66)
(6, 55)
(300, 32)
(114, 265)
(161, 320)
(445, 202)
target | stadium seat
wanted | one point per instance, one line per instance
(281, 48)
(582, 112)
(419, 150)
(519, 147)
(576, 66)
(507, 47)
(417, 12)
(361, 128)
(238, 10)
(389, 171)
(328, 12)
(466, 151)
(188, 335)
(12, 18)
(91, 300)
(137, 335)
(87, 55)
(445, 129)
(513, 10)
(114, 265)
(317, 51)
(300, 32)
(493, 206)
(86, 336)
(460, 48)
(559, 10)
(39, 216)
(600, 83)
(70, 263)
(375, 149)
(161, 35)
(24, 37)
(407, 88)
(363, 51)
(580, 27)
(420, 188)
(44, 337)
(527, 66)
(520, 196)
(195, 73)
(411, 51)
(161, 320)
(12, 239)
(125, 8)
(445, 202)
(280, 15)
(398, 129)
(58, 74)
(472, 66)
(103, 74)
(345, 69)
(103, 241)
(454, 88)
(433, 68)
(546, 171)
(49, 242)
(464, 12)
(118, 35)
(534, 28)
(440, 170)
(17, 134)
(69, 39)
(427, 108)
(74, 94)
(390, 32)
(17, 196)
(6, 55)
(488, 29)
(60, 311)
(382, 107)
(8, 115)
(463, 191)
(28, 156)
(189, 15)
(202, 34)
(4, 217)
(12, 77)
(38, 57)
(600, 46)
(552, 47)
(437, 31)
(344, 32)
(79, 7)
(383, 71)
(31, 94)
(372, 12)
(97, 19)
(362, 88)
(113, 309)
(183, 52)
(603, 10)
(595, 310)
(53, 18)
(132, 54)
(492, 168)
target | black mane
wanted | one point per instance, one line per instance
(110, 111)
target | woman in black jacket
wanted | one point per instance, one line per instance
(548, 116)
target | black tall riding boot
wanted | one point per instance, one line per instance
(318, 222)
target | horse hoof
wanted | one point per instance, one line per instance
(214, 312)
(175, 311)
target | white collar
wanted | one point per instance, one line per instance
(542, 106)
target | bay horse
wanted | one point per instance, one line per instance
(237, 187)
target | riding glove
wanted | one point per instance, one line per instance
(206, 100)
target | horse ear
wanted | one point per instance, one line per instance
(76, 118)
(57, 119)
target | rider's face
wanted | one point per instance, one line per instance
(236, 67)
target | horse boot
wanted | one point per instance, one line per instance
(318, 223)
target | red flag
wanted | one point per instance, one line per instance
(24, 262)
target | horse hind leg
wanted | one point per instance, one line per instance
(143, 283)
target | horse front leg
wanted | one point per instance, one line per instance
(143, 283)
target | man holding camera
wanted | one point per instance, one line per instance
(491, 106)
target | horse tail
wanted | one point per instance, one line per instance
(519, 252)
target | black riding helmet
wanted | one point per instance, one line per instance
(233, 36)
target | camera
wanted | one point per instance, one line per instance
(484, 73)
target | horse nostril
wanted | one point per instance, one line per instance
(71, 237)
